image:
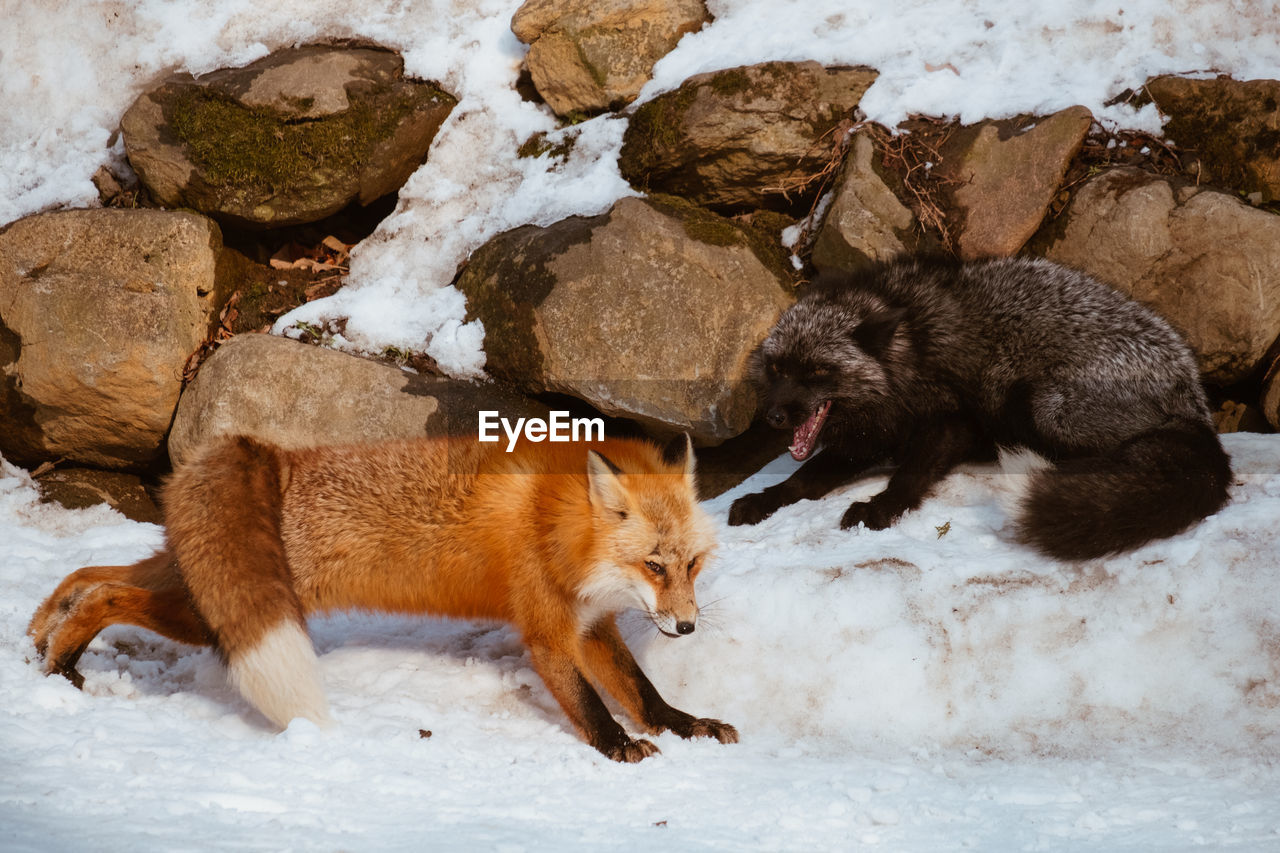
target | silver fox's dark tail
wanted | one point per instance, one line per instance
(1153, 485)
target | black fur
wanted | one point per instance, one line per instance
(929, 362)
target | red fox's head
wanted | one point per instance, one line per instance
(654, 540)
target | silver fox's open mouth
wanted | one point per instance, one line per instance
(806, 435)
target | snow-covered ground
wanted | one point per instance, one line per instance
(904, 688)
(69, 70)
(912, 688)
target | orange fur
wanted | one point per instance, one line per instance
(553, 539)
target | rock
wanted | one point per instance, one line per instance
(1207, 261)
(77, 488)
(108, 187)
(646, 312)
(297, 395)
(1229, 129)
(865, 222)
(735, 139)
(1271, 393)
(1004, 175)
(291, 138)
(99, 312)
(588, 57)
(1238, 417)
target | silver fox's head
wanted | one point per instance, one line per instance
(823, 361)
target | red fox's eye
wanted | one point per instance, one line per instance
(654, 567)
(689, 567)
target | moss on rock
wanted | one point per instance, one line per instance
(743, 138)
(709, 227)
(1229, 129)
(506, 279)
(254, 149)
(656, 129)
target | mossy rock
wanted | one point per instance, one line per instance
(290, 139)
(744, 138)
(77, 488)
(1228, 129)
(647, 312)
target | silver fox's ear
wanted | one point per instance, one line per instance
(679, 453)
(603, 486)
(875, 332)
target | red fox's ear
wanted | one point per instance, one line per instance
(679, 454)
(604, 487)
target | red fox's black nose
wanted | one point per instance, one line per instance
(776, 417)
(684, 627)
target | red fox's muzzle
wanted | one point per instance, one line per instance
(675, 620)
(673, 626)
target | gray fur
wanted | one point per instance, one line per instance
(1016, 351)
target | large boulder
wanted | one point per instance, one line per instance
(99, 312)
(646, 312)
(296, 395)
(866, 221)
(1204, 259)
(743, 138)
(291, 138)
(1003, 176)
(1229, 129)
(588, 57)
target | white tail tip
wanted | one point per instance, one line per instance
(279, 677)
(1017, 466)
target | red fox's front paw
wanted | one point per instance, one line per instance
(631, 751)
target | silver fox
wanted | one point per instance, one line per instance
(931, 362)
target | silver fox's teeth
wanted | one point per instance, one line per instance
(807, 432)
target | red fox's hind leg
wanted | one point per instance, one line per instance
(149, 594)
(223, 521)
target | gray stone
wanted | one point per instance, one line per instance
(296, 395)
(588, 57)
(1004, 174)
(865, 222)
(99, 312)
(1207, 261)
(743, 138)
(646, 312)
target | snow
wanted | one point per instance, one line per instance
(907, 689)
(69, 70)
(912, 689)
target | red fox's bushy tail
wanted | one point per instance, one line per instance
(1151, 486)
(241, 583)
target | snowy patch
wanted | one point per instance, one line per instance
(71, 69)
(929, 687)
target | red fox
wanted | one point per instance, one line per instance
(553, 539)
